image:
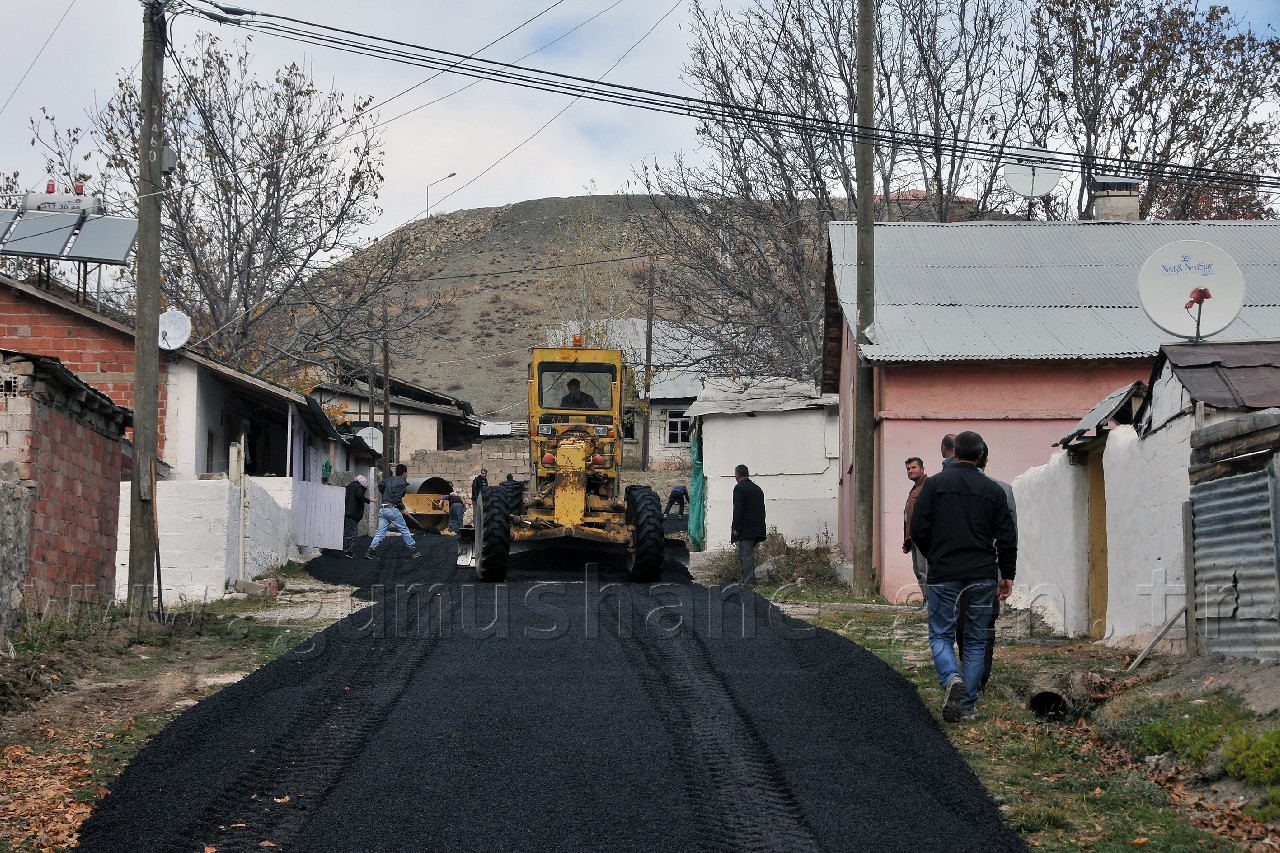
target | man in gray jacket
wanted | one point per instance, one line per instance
(391, 512)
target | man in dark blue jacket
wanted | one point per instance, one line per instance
(963, 526)
(747, 528)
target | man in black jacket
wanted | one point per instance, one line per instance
(479, 484)
(963, 526)
(357, 497)
(747, 528)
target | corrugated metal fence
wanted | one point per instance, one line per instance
(1237, 577)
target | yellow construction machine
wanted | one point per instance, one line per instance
(575, 497)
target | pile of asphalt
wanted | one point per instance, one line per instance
(556, 711)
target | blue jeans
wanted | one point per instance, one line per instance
(387, 516)
(978, 615)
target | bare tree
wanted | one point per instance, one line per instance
(274, 180)
(1159, 81)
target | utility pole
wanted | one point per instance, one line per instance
(648, 373)
(863, 393)
(386, 391)
(146, 333)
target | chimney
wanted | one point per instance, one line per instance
(1115, 197)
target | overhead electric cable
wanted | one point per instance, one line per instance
(656, 101)
(36, 59)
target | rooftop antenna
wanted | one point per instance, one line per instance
(1191, 289)
(1030, 173)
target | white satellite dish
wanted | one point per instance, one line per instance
(175, 329)
(1191, 289)
(372, 436)
(1030, 172)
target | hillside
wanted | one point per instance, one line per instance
(487, 260)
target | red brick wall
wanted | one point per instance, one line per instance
(75, 513)
(98, 354)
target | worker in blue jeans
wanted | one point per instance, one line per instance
(391, 513)
(963, 525)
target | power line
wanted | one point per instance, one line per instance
(39, 53)
(717, 112)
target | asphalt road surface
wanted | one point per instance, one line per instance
(556, 712)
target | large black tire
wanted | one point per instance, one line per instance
(513, 496)
(648, 550)
(493, 535)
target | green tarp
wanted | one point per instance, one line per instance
(697, 497)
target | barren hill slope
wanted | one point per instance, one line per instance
(489, 260)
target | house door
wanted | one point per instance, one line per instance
(1097, 548)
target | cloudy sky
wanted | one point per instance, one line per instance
(89, 42)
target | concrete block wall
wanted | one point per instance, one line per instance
(99, 354)
(193, 521)
(17, 495)
(502, 456)
(269, 542)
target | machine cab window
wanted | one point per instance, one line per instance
(577, 386)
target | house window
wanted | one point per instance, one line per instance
(678, 427)
(629, 422)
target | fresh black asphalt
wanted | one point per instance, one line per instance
(556, 712)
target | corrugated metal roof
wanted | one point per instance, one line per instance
(1037, 290)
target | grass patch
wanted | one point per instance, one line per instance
(799, 563)
(1266, 810)
(1191, 728)
(1255, 758)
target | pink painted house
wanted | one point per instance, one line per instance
(1012, 329)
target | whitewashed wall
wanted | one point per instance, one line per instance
(192, 516)
(1146, 487)
(268, 528)
(793, 456)
(1053, 544)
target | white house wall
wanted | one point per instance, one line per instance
(659, 450)
(417, 432)
(268, 526)
(1053, 544)
(792, 456)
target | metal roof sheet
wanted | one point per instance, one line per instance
(1037, 290)
(1241, 375)
(724, 396)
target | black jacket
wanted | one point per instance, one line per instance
(393, 491)
(478, 485)
(748, 512)
(357, 496)
(963, 526)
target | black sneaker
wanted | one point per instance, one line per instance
(369, 555)
(348, 555)
(969, 716)
(415, 554)
(951, 711)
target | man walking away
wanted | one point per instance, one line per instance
(679, 497)
(392, 513)
(479, 484)
(356, 498)
(963, 526)
(457, 508)
(995, 612)
(948, 450)
(917, 476)
(747, 528)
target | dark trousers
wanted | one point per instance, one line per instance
(672, 501)
(350, 527)
(747, 560)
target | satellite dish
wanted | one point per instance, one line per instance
(1191, 289)
(1029, 172)
(372, 436)
(175, 329)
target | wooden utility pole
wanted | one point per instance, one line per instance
(863, 391)
(386, 393)
(648, 374)
(146, 332)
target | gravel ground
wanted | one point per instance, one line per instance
(553, 712)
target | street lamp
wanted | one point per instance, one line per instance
(427, 209)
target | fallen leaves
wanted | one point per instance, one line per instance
(37, 803)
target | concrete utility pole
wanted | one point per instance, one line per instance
(648, 372)
(146, 332)
(863, 393)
